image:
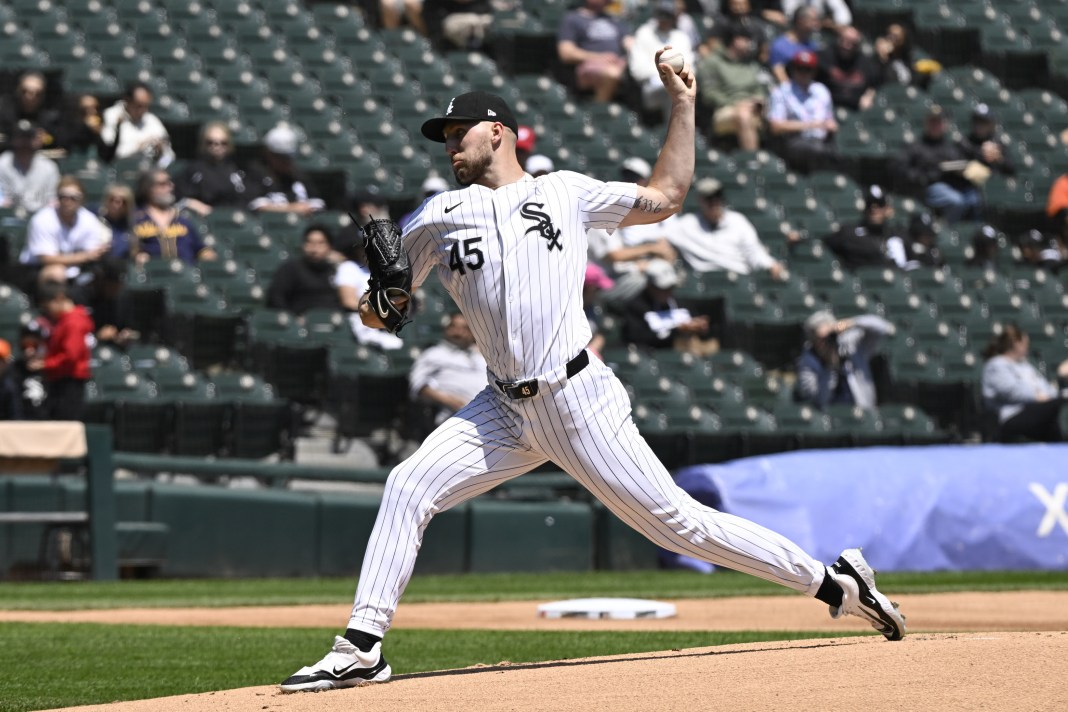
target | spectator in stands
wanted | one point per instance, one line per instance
(351, 281)
(159, 230)
(982, 143)
(29, 102)
(1057, 205)
(835, 362)
(539, 165)
(66, 240)
(449, 374)
(597, 44)
(10, 388)
(922, 248)
(596, 283)
(832, 14)
(685, 22)
(33, 345)
(28, 179)
(801, 37)
(134, 131)
(433, 185)
(937, 166)
(306, 281)
(874, 241)
(1038, 250)
(369, 204)
(654, 320)
(801, 115)
(985, 247)
(718, 239)
(660, 30)
(278, 185)
(65, 366)
(732, 84)
(626, 251)
(213, 179)
(84, 127)
(116, 213)
(393, 12)
(1026, 403)
(851, 76)
(749, 15)
(464, 23)
(525, 142)
(109, 312)
(894, 52)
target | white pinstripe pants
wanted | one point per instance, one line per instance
(583, 425)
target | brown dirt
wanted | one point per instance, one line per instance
(982, 665)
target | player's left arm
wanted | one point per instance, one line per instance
(673, 172)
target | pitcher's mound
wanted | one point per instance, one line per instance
(997, 671)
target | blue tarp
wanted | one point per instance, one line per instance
(912, 509)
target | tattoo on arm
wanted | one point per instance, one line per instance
(648, 206)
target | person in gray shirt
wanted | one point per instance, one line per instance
(1027, 404)
(835, 363)
(27, 179)
(447, 376)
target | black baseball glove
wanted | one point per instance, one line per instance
(391, 274)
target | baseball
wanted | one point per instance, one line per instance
(674, 59)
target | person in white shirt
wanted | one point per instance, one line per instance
(133, 130)
(660, 30)
(65, 239)
(834, 13)
(718, 239)
(626, 252)
(27, 178)
(351, 281)
(449, 374)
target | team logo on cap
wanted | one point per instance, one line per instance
(449, 109)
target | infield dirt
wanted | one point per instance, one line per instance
(987, 663)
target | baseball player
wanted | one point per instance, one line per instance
(511, 251)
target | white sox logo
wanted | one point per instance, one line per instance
(544, 226)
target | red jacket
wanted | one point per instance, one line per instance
(68, 346)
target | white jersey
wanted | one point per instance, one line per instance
(514, 260)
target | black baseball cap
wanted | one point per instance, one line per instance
(472, 106)
(875, 195)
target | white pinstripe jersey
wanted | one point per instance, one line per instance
(514, 259)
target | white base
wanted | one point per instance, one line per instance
(612, 608)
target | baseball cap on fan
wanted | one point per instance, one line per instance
(282, 139)
(472, 106)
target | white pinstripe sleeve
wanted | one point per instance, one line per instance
(603, 205)
(419, 242)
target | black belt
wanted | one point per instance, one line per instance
(529, 389)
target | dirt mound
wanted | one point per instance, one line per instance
(923, 672)
(1008, 611)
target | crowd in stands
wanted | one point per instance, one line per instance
(772, 74)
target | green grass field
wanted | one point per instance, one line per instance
(102, 663)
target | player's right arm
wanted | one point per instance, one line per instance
(673, 172)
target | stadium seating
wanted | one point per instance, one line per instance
(354, 91)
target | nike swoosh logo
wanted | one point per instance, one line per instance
(367, 662)
(453, 207)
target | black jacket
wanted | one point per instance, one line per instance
(219, 184)
(861, 244)
(920, 166)
(972, 148)
(300, 285)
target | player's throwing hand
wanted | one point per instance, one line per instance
(683, 84)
